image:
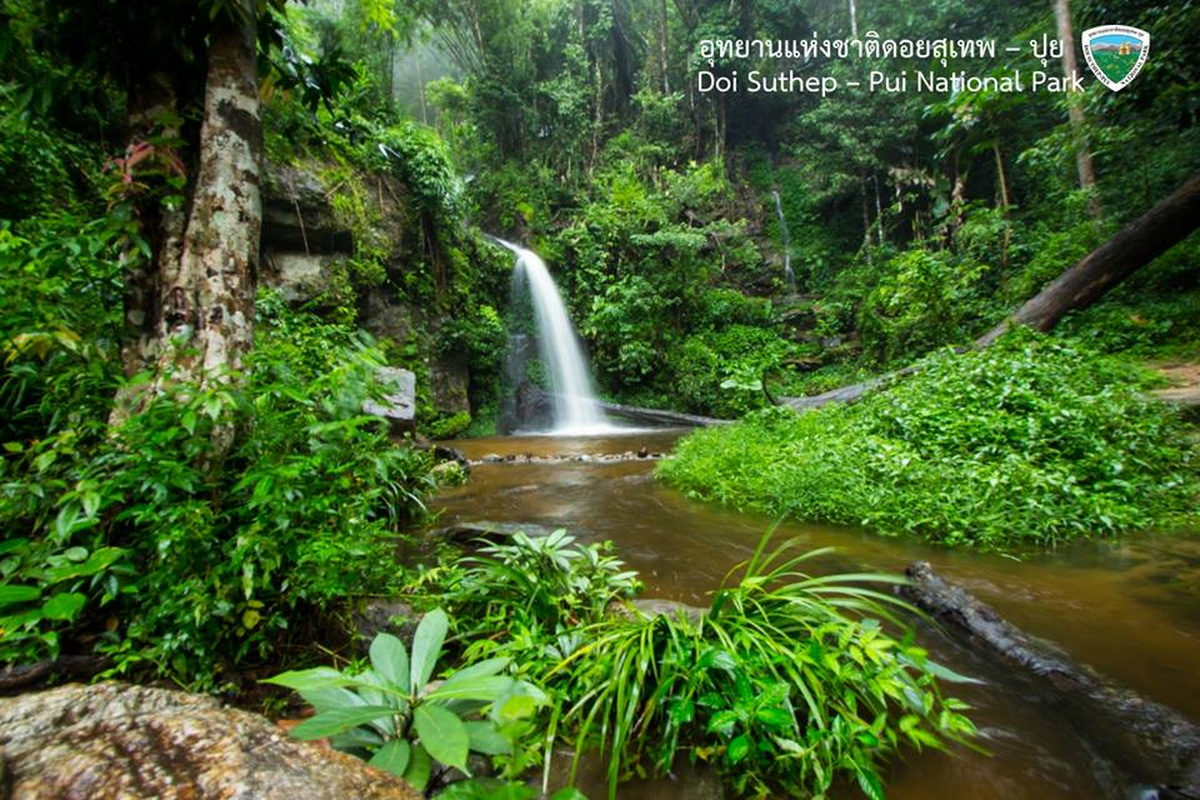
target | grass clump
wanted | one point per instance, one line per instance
(786, 683)
(1031, 441)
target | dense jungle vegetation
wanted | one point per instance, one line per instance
(190, 490)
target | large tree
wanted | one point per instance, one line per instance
(190, 303)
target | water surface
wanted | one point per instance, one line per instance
(1131, 609)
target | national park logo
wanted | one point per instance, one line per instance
(1116, 53)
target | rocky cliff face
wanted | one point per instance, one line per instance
(302, 243)
(114, 740)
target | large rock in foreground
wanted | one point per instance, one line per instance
(114, 740)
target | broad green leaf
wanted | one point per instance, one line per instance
(390, 659)
(356, 738)
(722, 722)
(568, 793)
(482, 688)
(869, 782)
(63, 607)
(393, 757)
(774, 717)
(304, 680)
(489, 666)
(10, 595)
(419, 767)
(336, 697)
(484, 738)
(442, 734)
(337, 720)
(426, 647)
(681, 711)
(517, 707)
(738, 749)
(98, 562)
(11, 545)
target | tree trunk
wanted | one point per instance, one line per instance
(1150, 742)
(1083, 156)
(663, 63)
(1138, 243)
(208, 293)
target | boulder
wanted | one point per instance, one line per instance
(299, 277)
(450, 381)
(465, 532)
(114, 740)
(297, 214)
(399, 405)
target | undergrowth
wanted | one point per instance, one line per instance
(1031, 441)
(784, 683)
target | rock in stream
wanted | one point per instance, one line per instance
(114, 740)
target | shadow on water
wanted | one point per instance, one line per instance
(1130, 609)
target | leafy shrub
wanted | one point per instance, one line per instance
(392, 714)
(786, 681)
(722, 373)
(551, 582)
(921, 301)
(60, 301)
(1032, 440)
(172, 565)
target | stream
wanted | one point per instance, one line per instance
(1131, 609)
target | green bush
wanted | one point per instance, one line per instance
(921, 301)
(722, 373)
(60, 322)
(783, 683)
(174, 564)
(1030, 441)
(393, 715)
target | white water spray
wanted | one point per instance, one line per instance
(576, 410)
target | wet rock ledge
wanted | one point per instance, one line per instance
(114, 740)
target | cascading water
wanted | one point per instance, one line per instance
(576, 411)
(789, 277)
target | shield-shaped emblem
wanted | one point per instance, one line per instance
(1116, 53)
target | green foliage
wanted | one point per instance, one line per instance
(552, 583)
(1030, 441)
(784, 682)
(723, 373)
(394, 716)
(921, 300)
(184, 568)
(60, 300)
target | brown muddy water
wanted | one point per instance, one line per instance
(1131, 609)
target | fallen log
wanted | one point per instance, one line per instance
(1137, 244)
(534, 405)
(1152, 743)
(659, 416)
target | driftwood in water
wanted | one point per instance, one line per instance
(1137, 244)
(534, 406)
(1153, 743)
(658, 416)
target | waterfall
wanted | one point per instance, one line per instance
(789, 277)
(576, 411)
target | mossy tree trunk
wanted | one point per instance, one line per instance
(207, 294)
(190, 305)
